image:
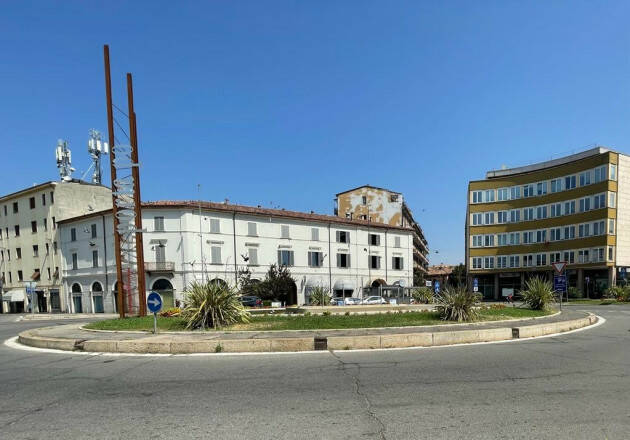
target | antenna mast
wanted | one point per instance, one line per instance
(64, 160)
(96, 147)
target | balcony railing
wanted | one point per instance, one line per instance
(160, 266)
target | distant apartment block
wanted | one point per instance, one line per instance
(575, 209)
(379, 205)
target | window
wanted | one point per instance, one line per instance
(20, 276)
(215, 255)
(397, 262)
(253, 256)
(585, 204)
(599, 228)
(598, 254)
(528, 214)
(35, 250)
(315, 259)
(45, 224)
(515, 216)
(31, 202)
(397, 242)
(488, 240)
(393, 198)
(158, 224)
(541, 236)
(569, 182)
(585, 178)
(599, 201)
(514, 261)
(16, 228)
(5, 210)
(583, 256)
(314, 234)
(476, 195)
(556, 210)
(528, 190)
(55, 247)
(476, 263)
(75, 261)
(556, 185)
(251, 229)
(555, 234)
(502, 194)
(18, 253)
(73, 234)
(34, 226)
(488, 262)
(364, 200)
(502, 239)
(600, 173)
(489, 218)
(15, 207)
(44, 204)
(9, 254)
(375, 262)
(94, 258)
(502, 217)
(611, 226)
(613, 173)
(477, 219)
(528, 237)
(343, 260)
(583, 230)
(569, 232)
(489, 195)
(515, 238)
(541, 259)
(285, 257)
(343, 237)
(501, 262)
(554, 257)
(541, 188)
(284, 231)
(52, 197)
(477, 240)
(541, 212)
(569, 207)
(611, 200)
(515, 192)
(215, 226)
(93, 230)
(375, 240)
(610, 252)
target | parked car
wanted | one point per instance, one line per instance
(251, 301)
(375, 300)
(347, 301)
(353, 301)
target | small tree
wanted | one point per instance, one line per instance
(277, 285)
(538, 293)
(458, 276)
(212, 305)
(246, 285)
(319, 296)
(418, 277)
(422, 295)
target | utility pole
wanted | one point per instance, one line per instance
(135, 171)
(112, 156)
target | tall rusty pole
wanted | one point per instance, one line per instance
(135, 172)
(112, 154)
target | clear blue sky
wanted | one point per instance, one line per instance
(291, 102)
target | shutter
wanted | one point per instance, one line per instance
(291, 261)
(338, 258)
(338, 235)
(279, 258)
(402, 263)
(348, 260)
(378, 240)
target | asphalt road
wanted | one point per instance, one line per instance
(572, 386)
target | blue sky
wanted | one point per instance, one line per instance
(290, 102)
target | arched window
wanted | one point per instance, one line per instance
(76, 288)
(165, 289)
(96, 287)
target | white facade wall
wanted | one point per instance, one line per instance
(183, 248)
(623, 211)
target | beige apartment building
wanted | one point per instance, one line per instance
(575, 209)
(380, 205)
(29, 239)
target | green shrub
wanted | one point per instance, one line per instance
(218, 348)
(347, 313)
(621, 294)
(422, 295)
(538, 293)
(457, 304)
(574, 292)
(266, 303)
(319, 296)
(326, 313)
(212, 305)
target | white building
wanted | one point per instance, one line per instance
(336, 253)
(29, 239)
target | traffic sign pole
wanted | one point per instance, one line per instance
(154, 303)
(154, 323)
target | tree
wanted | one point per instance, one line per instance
(458, 277)
(246, 285)
(277, 285)
(418, 277)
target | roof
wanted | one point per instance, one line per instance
(439, 270)
(241, 209)
(368, 186)
(44, 185)
(547, 164)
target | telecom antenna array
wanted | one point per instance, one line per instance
(96, 147)
(64, 160)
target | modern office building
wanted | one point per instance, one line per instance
(29, 239)
(575, 209)
(187, 241)
(384, 206)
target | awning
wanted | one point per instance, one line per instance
(315, 282)
(400, 283)
(344, 284)
(15, 295)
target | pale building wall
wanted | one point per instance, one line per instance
(623, 212)
(379, 205)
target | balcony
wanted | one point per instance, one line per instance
(160, 266)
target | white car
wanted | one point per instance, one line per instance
(375, 300)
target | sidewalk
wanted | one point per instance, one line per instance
(74, 338)
(56, 316)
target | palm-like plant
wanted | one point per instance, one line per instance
(212, 305)
(457, 304)
(319, 296)
(422, 295)
(538, 293)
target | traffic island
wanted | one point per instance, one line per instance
(74, 337)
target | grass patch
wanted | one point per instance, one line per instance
(594, 302)
(319, 322)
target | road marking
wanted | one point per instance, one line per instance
(12, 343)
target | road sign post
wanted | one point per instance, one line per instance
(475, 285)
(154, 304)
(436, 287)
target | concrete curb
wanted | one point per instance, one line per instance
(165, 344)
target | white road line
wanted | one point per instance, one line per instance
(12, 343)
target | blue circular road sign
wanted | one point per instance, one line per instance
(154, 302)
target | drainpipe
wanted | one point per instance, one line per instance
(329, 263)
(234, 235)
(105, 260)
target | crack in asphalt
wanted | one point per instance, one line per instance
(360, 393)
